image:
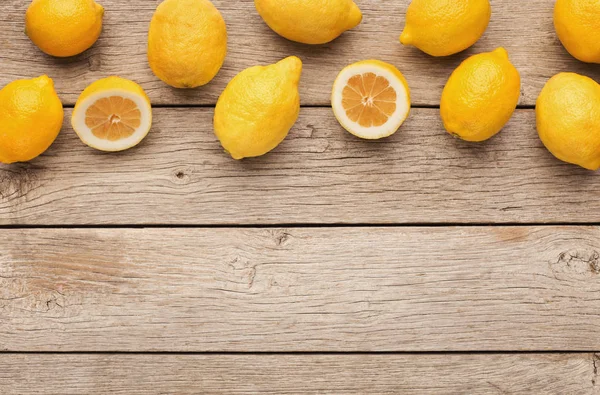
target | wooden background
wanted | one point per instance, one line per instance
(417, 264)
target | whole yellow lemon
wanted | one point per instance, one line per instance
(31, 117)
(442, 27)
(577, 23)
(480, 96)
(309, 21)
(258, 108)
(568, 119)
(64, 28)
(187, 42)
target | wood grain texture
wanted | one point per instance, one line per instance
(524, 28)
(320, 174)
(300, 289)
(573, 374)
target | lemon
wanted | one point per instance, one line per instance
(371, 99)
(443, 27)
(112, 114)
(187, 42)
(258, 108)
(64, 28)
(577, 23)
(480, 96)
(31, 117)
(309, 21)
(568, 119)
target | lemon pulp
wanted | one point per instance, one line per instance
(113, 118)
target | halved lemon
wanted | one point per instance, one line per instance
(112, 114)
(371, 99)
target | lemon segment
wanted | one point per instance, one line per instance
(187, 42)
(64, 28)
(480, 96)
(257, 109)
(31, 116)
(578, 28)
(568, 119)
(442, 27)
(371, 99)
(112, 114)
(309, 21)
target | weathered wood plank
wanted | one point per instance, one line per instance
(573, 374)
(524, 27)
(320, 174)
(300, 289)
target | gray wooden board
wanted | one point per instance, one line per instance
(300, 289)
(524, 28)
(319, 175)
(573, 374)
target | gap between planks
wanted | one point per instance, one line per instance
(301, 225)
(308, 353)
(413, 107)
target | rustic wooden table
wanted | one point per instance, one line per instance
(417, 264)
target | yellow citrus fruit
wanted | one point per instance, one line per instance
(568, 119)
(187, 42)
(480, 96)
(31, 117)
(112, 114)
(309, 21)
(64, 28)
(258, 108)
(442, 27)
(371, 99)
(577, 23)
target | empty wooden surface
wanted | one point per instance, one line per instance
(524, 28)
(242, 258)
(300, 289)
(319, 175)
(571, 374)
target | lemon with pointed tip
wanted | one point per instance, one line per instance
(577, 24)
(187, 42)
(64, 28)
(258, 108)
(480, 96)
(309, 21)
(442, 27)
(31, 116)
(568, 119)
(112, 114)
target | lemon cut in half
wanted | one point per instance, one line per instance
(112, 114)
(371, 99)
